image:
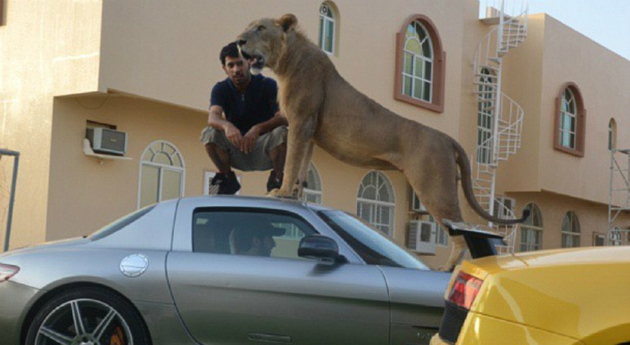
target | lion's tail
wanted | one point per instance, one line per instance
(464, 167)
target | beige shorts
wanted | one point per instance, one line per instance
(257, 160)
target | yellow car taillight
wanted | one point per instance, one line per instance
(465, 290)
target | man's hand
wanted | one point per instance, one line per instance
(249, 140)
(233, 135)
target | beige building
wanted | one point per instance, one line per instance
(146, 68)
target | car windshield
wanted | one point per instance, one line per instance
(369, 243)
(120, 223)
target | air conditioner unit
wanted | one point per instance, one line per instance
(109, 141)
(416, 204)
(422, 236)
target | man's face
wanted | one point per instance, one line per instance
(237, 70)
(266, 246)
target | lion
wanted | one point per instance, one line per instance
(324, 109)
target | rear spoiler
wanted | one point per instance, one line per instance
(480, 242)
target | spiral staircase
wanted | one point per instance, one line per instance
(500, 118)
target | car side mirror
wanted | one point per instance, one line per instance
(320, 248)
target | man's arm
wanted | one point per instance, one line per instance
(250, 138)
(276, 121)
(216, 121)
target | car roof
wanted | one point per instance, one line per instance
(254, 201)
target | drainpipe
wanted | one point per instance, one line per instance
(16, 156)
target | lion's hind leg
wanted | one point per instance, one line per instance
(436, 186)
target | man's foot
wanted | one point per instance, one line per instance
(228, 184)
(273, 182)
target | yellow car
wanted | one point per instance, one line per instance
(565, 296)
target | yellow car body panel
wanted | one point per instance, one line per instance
(484, 330)
(582, 294)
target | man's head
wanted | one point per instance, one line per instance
(255, 239)
(235, 66)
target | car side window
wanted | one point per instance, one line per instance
(252, 232)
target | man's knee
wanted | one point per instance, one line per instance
(279, 134)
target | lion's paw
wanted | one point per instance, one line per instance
(276, 193)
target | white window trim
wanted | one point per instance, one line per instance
(381, 203)
(422, 57)
(319, 193)
(612, 134)
(181, 169)
(567, 131)
(323, 21)
(532, 227)
(574, 234)
(484, 148)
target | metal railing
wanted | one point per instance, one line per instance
(499, 116)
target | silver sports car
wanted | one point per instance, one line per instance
(221, 270)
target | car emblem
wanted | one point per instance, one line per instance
(134, 265)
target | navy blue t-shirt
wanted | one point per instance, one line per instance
(258, 104)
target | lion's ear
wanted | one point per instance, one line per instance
(287, 22)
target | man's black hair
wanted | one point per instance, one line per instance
(230, 50)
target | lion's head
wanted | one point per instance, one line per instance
(262, 41)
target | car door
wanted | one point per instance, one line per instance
(417, 303)
(226, 297)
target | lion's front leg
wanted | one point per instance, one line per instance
(299, 151)
(302, 176)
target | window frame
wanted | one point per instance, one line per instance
(580, 119)
(252, 210)
(574, 224)
(485, 118)
(379, 203)
(323, 28)
(318, 194)
(161, 168)
(536, 229)
(438, 71)
(612, 134)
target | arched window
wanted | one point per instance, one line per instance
(376, 203)
(162, 173)
(570, 121)
(420, 64)
(612, 134)
(485, 115)
(531, 230)
(313, 191)
(327, 27)
(570, 230)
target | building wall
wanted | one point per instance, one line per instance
(85, 193)
(522, 80)
(47, 48)
(162, 50)
(593, 217)
(604, 80)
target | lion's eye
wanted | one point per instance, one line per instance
(260, 28)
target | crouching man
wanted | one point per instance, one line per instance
(245, 128)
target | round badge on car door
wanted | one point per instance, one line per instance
(134, 265)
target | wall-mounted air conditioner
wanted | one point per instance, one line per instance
(421, 236)
(108, 141)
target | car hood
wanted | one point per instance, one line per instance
(575, 292)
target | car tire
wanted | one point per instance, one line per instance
(87, 315)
